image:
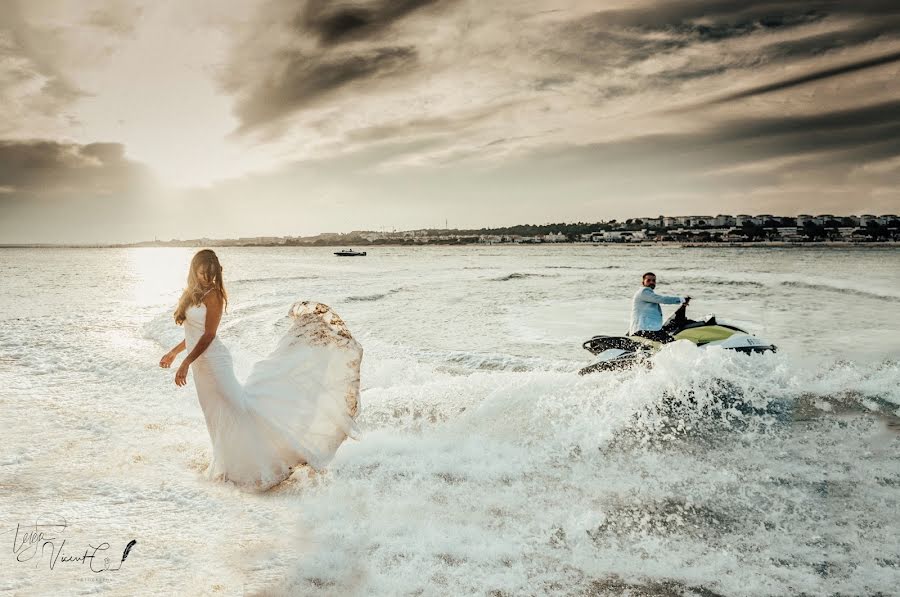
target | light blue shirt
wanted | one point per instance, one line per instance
(646, 314)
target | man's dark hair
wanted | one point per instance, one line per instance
(644, 277)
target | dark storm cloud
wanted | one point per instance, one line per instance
(811, 77)
(337, 23)
(41, 168)
(355, 47)
(882, 26)
(302, 78)
(618, 38)
(693, 22)
(867, 133)
(741, 14)
(848, 138)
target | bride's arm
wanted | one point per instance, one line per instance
(167, 359)
(214, 305)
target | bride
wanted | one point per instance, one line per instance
(296, 406)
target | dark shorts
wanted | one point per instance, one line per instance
(658, 335)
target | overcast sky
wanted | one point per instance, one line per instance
(125, 120)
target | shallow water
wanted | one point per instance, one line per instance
(487, 466)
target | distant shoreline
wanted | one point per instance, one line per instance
(662, 243)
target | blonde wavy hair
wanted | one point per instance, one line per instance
(206, 261)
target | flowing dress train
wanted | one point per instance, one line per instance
(296, 406)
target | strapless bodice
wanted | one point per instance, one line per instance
(196, 315)
(194, 326)
(194, 322)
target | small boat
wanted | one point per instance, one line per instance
(350, 253)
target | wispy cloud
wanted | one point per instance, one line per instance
(379, 104)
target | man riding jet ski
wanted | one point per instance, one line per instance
(646, 314)
(647, 333)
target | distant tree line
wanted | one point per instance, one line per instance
(574, 229)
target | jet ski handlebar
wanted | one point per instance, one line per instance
(678, 319)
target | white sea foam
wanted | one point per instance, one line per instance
(487, 466)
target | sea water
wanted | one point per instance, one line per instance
(486, 466)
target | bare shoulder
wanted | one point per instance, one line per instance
(213, 299)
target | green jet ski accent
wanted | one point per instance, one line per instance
(706, 333)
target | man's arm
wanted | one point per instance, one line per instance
(651, 297)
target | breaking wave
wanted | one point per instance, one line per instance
(373, 297)
(723, 281)
(545, 482)
(272, 279)
(845, 290)
(522, 276)
(602, 267)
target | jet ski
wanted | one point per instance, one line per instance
(622, 352)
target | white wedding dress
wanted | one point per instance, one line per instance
(296, 407)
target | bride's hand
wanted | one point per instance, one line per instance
(167, 359)
(181, 375)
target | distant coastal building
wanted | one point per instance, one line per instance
(697, 221)
(723, 220)
(618, 236)
(261, 240)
